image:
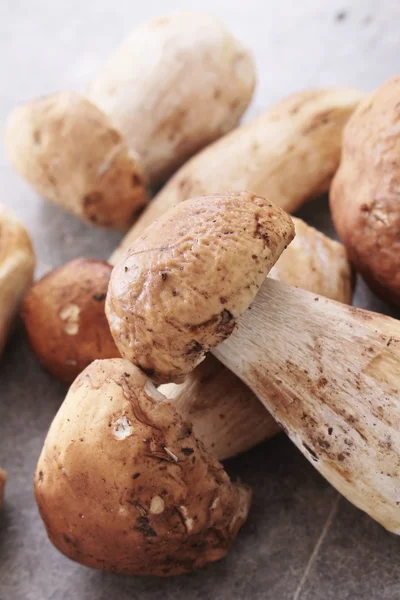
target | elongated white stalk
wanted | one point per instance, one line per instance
(330, 375)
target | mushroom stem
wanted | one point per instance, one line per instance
(292, 152)
(329, 374)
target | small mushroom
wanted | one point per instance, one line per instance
(65, 320)
(123, 484)
(328, 373)
(17, 266)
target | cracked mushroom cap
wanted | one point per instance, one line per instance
(180, 288)
(123, 485)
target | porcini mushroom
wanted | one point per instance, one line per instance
(212, 242)
(65, 320)
(176, 84)
(365, 199)
(226, 415)
(123, 485)
(292, 151)
(328, 373)
(72, 154)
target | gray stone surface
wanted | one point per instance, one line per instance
(302, 541)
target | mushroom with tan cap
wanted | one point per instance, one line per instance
(176, 84)
(72, 154)
(123, 485)
(197, 278)
(226, 415)
(343, 414)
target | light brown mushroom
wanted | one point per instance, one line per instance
(176, 84)
(212, 241)
(226, 415)
(17, 265)
(365, 195)
(328, 373)
(288, 154)
(123, 485)
(65, 320)
(72, 154)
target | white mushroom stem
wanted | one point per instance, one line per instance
(330, 375)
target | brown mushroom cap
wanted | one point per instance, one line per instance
(71, 153)
(123, 485)
(180, 288)
(365, 194)
(65, 320)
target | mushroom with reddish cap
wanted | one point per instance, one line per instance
(365, 193)
(328, 373)
(64, 318)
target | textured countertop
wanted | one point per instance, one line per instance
(302, 541)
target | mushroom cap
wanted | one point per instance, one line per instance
(72, 154)
(123, 485)
(365, 193)
(65, 319)
(180, 287)
(17, 266)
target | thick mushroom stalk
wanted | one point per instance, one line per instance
(203, 267)
(328, 373)
(123, 484)
(288, 154)
(174, 85)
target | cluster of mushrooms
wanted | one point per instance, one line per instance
(129, 478)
